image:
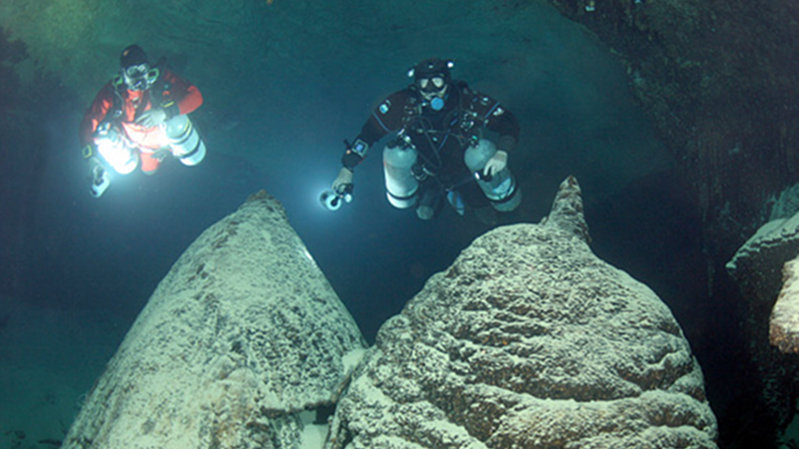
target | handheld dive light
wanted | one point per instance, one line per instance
(332, 200)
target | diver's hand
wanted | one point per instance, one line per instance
(152, 117)
(96, 174)
(497, 162)
(98, 177)
(161, 154)
(343, 179)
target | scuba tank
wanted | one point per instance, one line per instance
(184, 141)
(500, 188)
(401, 184)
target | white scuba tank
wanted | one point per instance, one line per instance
(184, 141)
(501, 189)
(401, 185)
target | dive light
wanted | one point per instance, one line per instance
(332, 200)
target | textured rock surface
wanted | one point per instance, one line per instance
(529, 340)
(242, 335)
(757, 265)
(757, 269)
(784, 322)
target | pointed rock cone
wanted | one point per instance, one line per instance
(242, 335)
(529, 341)
(567, 210)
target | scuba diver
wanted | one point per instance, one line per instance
(137, 119)
(448, 141)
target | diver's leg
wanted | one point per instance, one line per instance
(149, 163)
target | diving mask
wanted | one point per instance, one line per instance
(432, 79)
(433, 90)
(139, 76)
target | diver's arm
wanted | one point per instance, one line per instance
(95, 114)
(182, 96)
(499, 120)
(343, 181)
(508, 129)
(385, 118)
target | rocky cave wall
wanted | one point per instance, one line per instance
(719, 80)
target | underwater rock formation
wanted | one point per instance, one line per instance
(241, 336)
(757, 265)
(529, 340)
(760, 268)
(757, 269)
(784, 323)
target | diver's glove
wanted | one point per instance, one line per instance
(99, 178)
(161, 154)
(152, 117)
(496, 163)
(343, 181)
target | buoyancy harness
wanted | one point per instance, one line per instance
(443, 172)
(460, 122)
